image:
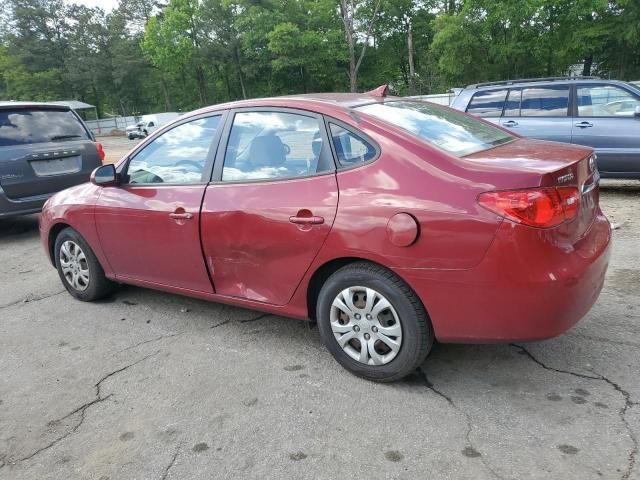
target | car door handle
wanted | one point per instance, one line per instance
(510, 123)
(181, 216)
(584, 124)
(307, 220)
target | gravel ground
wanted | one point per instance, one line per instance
(116, 147)
(147, 385)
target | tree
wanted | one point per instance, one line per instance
(357, 21)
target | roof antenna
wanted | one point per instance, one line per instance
(381, 91)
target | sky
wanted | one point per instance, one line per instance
(107, 5)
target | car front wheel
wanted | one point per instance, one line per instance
(373, 323)
(78, 268)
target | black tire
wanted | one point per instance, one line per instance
(417, 333)
(131, 137)
(98, 286)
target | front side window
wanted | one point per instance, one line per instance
(350, 148)
(25, 126)
(487, 104)
(273, 145)
(178, 156)
(545, 101)
(452, 131)
(606, 101)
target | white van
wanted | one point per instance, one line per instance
(149, 124)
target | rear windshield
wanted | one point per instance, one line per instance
(447, 129)
(24, 126)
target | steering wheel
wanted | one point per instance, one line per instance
(191, 163)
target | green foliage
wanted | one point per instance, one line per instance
(153, 55)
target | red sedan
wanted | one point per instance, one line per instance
(390, 222)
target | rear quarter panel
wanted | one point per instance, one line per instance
(438, 190)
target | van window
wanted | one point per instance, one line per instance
(487, 104)
(606, 101)
(545, 101)
(29, 125)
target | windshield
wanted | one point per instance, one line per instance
(447, 129)
(24, 126)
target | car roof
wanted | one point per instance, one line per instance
(15, 104)
(540, 81)
(340, 101)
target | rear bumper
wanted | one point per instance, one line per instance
(532, 284)
(23, 206)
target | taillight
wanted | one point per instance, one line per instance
(536, 207)
(100, 152)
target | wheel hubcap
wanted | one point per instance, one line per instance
(73, 263)
(366, 326)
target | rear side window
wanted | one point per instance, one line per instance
(448, 129)
(25, 126)
(487, 104)
(266, 145)
(350, 148)
(545, 102)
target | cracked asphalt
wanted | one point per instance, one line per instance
(147, 385)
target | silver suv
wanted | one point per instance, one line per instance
(602, 114)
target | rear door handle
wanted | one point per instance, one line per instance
(307, 220)
(181, 216)
(510, 123)
(584, 124)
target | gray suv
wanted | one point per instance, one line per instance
(602, 114)
(44, 148)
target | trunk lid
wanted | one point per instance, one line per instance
(554, 165)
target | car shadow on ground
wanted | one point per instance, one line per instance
(624, 187)
(455, 361)
(26, 225)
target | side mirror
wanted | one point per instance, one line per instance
(104, 176)
(637, 111)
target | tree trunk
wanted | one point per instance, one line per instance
(412, 69)
(167, 100)
(588, 63)
(347, 13)
(240, 76)
(201, 83)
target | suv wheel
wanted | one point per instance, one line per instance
(373, 323)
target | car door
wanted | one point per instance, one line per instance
(605, 120)
(271, 203)
(539, 112)
(149, 225)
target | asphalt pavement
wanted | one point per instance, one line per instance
(148, 385)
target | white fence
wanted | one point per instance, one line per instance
(439, 98)
(104, 126)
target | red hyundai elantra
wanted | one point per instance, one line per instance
(390, 222)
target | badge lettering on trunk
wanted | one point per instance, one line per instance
(565, 178)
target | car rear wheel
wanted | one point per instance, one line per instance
(79, 269)
(373, 323)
